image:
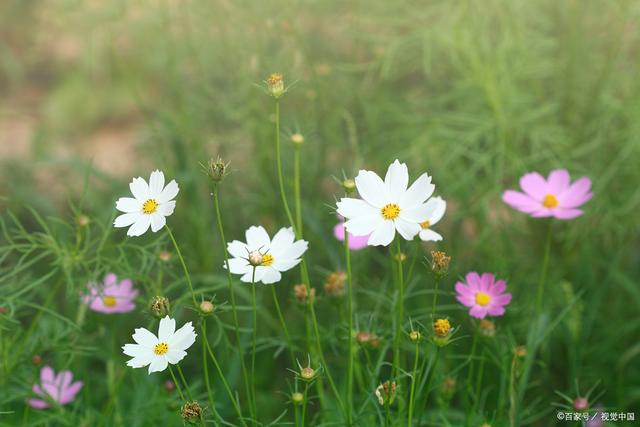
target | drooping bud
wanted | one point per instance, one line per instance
(191, 412)
(217, 169)
(386, 393)
(159, 306)
(275, 85)
(297, 139)
(440, 263)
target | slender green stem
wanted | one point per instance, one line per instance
(413, 382)
(304, 402)
(432, 374)
(207, 380)
(435, 299)
(296, 189)
(279, 166)
(184, 382)
(399, 310)
(254, 341)
(543, 273)
(184, 265)
(468, 384)
(283, 323)
(175, 381)
(350, 342)
(232, 295)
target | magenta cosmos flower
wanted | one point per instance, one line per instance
(355, 242)
(483, 294)
(555, 196)
(54, 387)
(112, 296)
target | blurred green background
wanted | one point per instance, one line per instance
(476, 93)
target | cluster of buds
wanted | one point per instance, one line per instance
(368, 339)
(487, 328)
(386, 393)
(442, 331)
(448, 388)
(159, 306)
(206, 308)
(275, 85)
(334, 286)
(303, 296)
(297, 139)
(191, 412)
(440, 263)
(217, 169)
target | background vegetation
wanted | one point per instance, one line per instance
(476, 93)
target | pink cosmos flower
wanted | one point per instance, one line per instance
(54, 387)
(555, 196)
(483, 294)
(112, 296)
(355, 242)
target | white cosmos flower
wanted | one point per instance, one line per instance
(388, 206)
(427, 234)
(150, 205)
(270, 256)
(157, 352)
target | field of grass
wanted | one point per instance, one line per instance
(476, 93)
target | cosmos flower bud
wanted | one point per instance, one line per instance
(297, 398)
(440, 263)
(307, 373)
(334, 286)
(441, 332)
(297, 139)
(448, 388)
(487, 328)
(349, 185)
(302, 295)
(255, 258)
(367, 339)
(207, 307)
(386, 393)
(36, 359)
(520, 351)
(415, 336)
(191, 412)
(83, 220)
(159, 306)
(581, 404)
(275, 85)
(165, 256)
(217, 169)
(400, 257)
(169, 386)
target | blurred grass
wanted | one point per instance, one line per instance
(476, 93)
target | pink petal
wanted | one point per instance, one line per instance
(463, 289)
(478, 311)
(496, 310)
(338, 231)
(358, 242)
(466, 300)
(520, 201)
(577, 194)
(534, 185)
(473, 281)
(486, 282)
(68, 394)
(558, 181)
(566, 213)
(498, 287)
(63, 380)
(543, 213)
(47, 374)
(37, 403)
(503, 299)
(110, 279)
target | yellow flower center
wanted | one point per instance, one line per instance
(161, 348)
(109, 301)
(425, 225)
(442, 327)
(550, 201)
(150, 206)
(390, 211)
(482, 298)
(267, 260)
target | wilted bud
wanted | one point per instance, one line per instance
(448, 388)
(581, 404)
(441, 332)
(159, 306)
(349, 185)
(165, 256)
(520, 351)
(275, 85)
(207, 308)
(386, 393)
(487, 328)
(217, 169)
(415, 336)
(439, 263)
(297, 398)
(334, 286)
(302, 295)
(191, 412)
(36, 359)
(255, 258)
(297, 139)
(83, 220)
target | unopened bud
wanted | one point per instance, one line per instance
(159, 306)
(581, 404)
(520, 351)
(191, 412)
(297, 139)
(400, 257)
(255, 258)
(83, 220)
(36, 359)
(217, 169)
(275, 85)
(302, 295)
(207, 307)
(297, 398)
(165, 256)
(440, 263)
(349, 186)
(487, 328)
(334, 286)
(414, 336)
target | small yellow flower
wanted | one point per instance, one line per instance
(442, 328)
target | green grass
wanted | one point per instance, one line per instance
(475, 93)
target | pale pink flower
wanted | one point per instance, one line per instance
(355, 242)
(483, 294)
(554, 197)
(111, 296)
(54, 387)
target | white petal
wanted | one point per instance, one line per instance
(439, 211)
(128, 204)
(145, 337)
(351, 208)
(419, 191)
(296, 250)
(271, 275)
(429, 235)
(383, 235)
(126, 220)
(281, 241)
(169, 192)
(364, 225)
(260, 270)
(166, 329)
(141, 360)
(175, 356)
(397, 179)
(285, 264)
(183, 338)
(372, 189)
(156, 184)
(407, 229)
(134, 350)
(257, 238)
(139, 189)
(419, 213)
(157, 221)
(166, 208)
(237, 249)
(158, 364)
(238, 265)
(140, 226)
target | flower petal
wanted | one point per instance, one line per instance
(47, 374)
(285, 264)
(271, 275)
(126, 220)
(281, 241)
(158, 364)
(183, 338)
(166, 329)
(156, 184)
(145, 337)
(175, 356)
(478, 311)
(396, 180)
(128, 205)
(237, 249)
(296, 250)
(353, 208)
(566, 213)
(364, 225)
(372, 189)
(140, 226)
(169, 192)
(383, 235)
(139, 189)
(522, 202)
(577, 194)
(419, 213)
(534, 185)
(428, 235)
(257, 238)
(238, 265)
(157, 222)
(418, 192)
(407, 229)
(558, 181)
(167, 208)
